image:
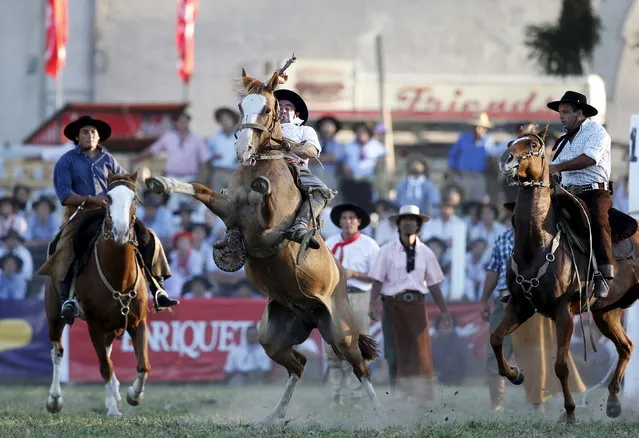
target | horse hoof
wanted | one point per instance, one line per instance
(261, 185)
(156, 185)
(270, 420)
(519, 378)
(613, 410)
(114, 413)
(54, 405)
(132, 399)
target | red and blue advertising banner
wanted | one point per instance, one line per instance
(24, 339)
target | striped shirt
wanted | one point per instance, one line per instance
(592, 140)
(500, 256)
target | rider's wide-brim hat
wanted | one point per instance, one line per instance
(300, 106)
(577, 99)
(409, 210)
(336, 214)
(72, 130)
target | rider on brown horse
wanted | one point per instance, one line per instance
(80, 180)
(582, 159)
(301, 143)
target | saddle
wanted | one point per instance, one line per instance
(572, 216)
(89, 230)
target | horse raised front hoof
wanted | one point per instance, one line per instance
(157, 185)
(54, 405)
(132, 399)
(261, 185)
(519, 377)
(613, 409)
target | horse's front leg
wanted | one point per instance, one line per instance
(564, 324)
(135, 393)
(214, 201)
(509, 323)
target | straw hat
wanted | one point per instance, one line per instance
(409, 210)
(482, 121)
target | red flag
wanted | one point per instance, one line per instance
(55, 52)
(186, 14)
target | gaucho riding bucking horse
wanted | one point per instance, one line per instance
(271, 209)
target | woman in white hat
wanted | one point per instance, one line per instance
(405, 270)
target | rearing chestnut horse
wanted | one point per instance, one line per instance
(112, 292)
(547, 274)
(261, 202)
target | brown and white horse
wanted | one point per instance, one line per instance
(113, 295)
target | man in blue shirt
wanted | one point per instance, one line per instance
(467, 158)
(80, 180)
(496, 280)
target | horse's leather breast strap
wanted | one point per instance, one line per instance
(528, 285)
(124, 299)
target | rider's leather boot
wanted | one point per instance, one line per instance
(602, 280)
(69, 307)
(299, 230)
(161, 298)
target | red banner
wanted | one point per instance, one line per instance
(184, 37)
(56, 29)
(191, 343)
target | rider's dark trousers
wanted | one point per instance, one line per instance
(599, 202)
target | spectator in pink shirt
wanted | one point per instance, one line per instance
(405, 270)
(187, 156)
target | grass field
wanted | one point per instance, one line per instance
(211, 410)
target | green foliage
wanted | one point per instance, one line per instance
(561, 48)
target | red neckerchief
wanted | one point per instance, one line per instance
(341, 245)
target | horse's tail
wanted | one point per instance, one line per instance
(368, 347)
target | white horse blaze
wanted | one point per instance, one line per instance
(252, 106)
(119, 210)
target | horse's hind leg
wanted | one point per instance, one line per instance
(56, 326)
(610, 325)
(103, 352)
(355, 347)
(280, 329)
(135, 393)
(509, 323)
(564, 324)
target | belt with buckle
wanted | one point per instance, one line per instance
(409, 296)
(577, 190)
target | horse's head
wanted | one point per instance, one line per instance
(524, 161)
(259, 118)
(121, 206)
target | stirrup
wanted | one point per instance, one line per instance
(599, 279)
(161, 292)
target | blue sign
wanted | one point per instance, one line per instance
(24, 339)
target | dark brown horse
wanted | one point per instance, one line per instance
(548, 274)
(113, 295)
(261, 202)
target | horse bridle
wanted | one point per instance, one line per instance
(261, 128)
(534, 152)
(108, 234)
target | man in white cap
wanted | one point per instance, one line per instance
(405, 270)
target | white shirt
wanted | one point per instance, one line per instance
(593, 141)
(480, 231)
(245, 358)
(364, 167)
(301, 134)
(358, 256)
(446, 231)
(224, 145)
